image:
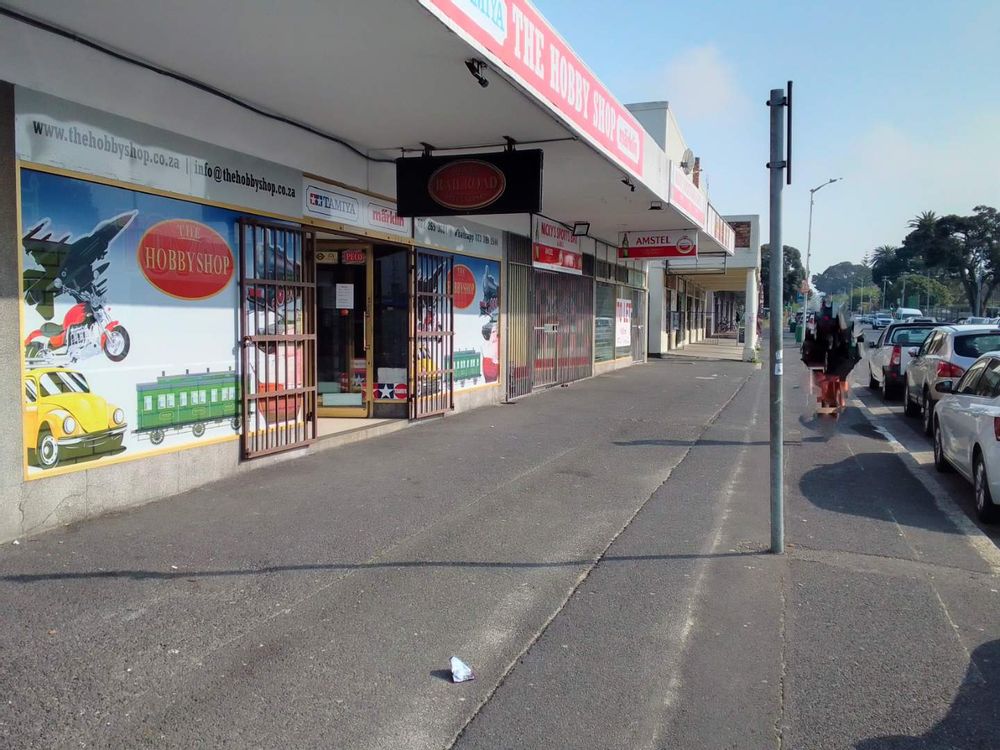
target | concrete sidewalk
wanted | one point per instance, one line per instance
(596, 553)
(709, 349)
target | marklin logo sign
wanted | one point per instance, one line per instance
(489, 15)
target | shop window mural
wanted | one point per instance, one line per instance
(476, 285)
(130, 305)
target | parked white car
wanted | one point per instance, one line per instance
(889, 356)
(967, 431)
(945, 355)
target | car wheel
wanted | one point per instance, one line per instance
(156, 437)
(985, 509)
(928, 414)
(872, 382)
(910, 407)
(47, 450)
(198, 430)
(940, 462)
(884, 388)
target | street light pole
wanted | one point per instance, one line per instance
(809, 238)
(777, 166)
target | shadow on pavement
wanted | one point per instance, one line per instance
(972, 721)
(877, 486)
(141, 575)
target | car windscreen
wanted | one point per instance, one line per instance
(910, 336)
(53, 383)
(976, 345)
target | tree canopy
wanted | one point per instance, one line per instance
(794, 273)
(842, 276)
(962, 252)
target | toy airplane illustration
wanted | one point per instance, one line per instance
(68, 265)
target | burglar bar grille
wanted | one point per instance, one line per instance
(433, 334)
(277, 337)
(520, 334)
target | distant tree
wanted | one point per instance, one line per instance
(966, 248)
(888, 263)
(794, 273)
(842, 275)
(926, 290)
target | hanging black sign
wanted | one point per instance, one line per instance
(502, 182)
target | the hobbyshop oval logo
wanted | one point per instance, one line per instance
(185, 259)
(685, 245)
(467, 184)
(463, 286)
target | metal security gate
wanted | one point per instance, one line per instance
(433, 337)
(638, 325)
(576, 327)
(563, 328)
(277, 336)
(520, 329)
(546, 329)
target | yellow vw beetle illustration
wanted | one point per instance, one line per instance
(63, 420)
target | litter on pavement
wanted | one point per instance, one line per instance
(460, 671)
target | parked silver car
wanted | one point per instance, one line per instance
(945, 355)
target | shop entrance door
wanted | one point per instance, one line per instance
(344, 329)
(277, 337)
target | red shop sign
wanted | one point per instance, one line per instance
(534, 53)
(467, 184)
(463, 285)
(185, 259)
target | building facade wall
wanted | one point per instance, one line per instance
(38, 61)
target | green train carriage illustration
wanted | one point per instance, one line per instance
(174, 403)
(468, 365)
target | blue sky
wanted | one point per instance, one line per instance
(901, 99)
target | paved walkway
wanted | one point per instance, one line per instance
(595, 552)
(710, 349)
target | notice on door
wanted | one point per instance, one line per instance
(623, 322)
(344, 297)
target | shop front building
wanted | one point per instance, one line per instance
(192, 288)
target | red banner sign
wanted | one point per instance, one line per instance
(185, 259)
(686, 196)
(520, 38)
(659, 244)
(554, 247)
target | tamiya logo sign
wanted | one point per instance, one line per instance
(332, 205)
(489, 15)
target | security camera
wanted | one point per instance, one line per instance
(477, 68)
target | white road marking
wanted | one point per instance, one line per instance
(920, 467)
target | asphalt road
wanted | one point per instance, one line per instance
(596, 553)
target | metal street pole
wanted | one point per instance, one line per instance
(809, 238)
(777, 165)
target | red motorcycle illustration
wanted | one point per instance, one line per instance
(87, 329)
